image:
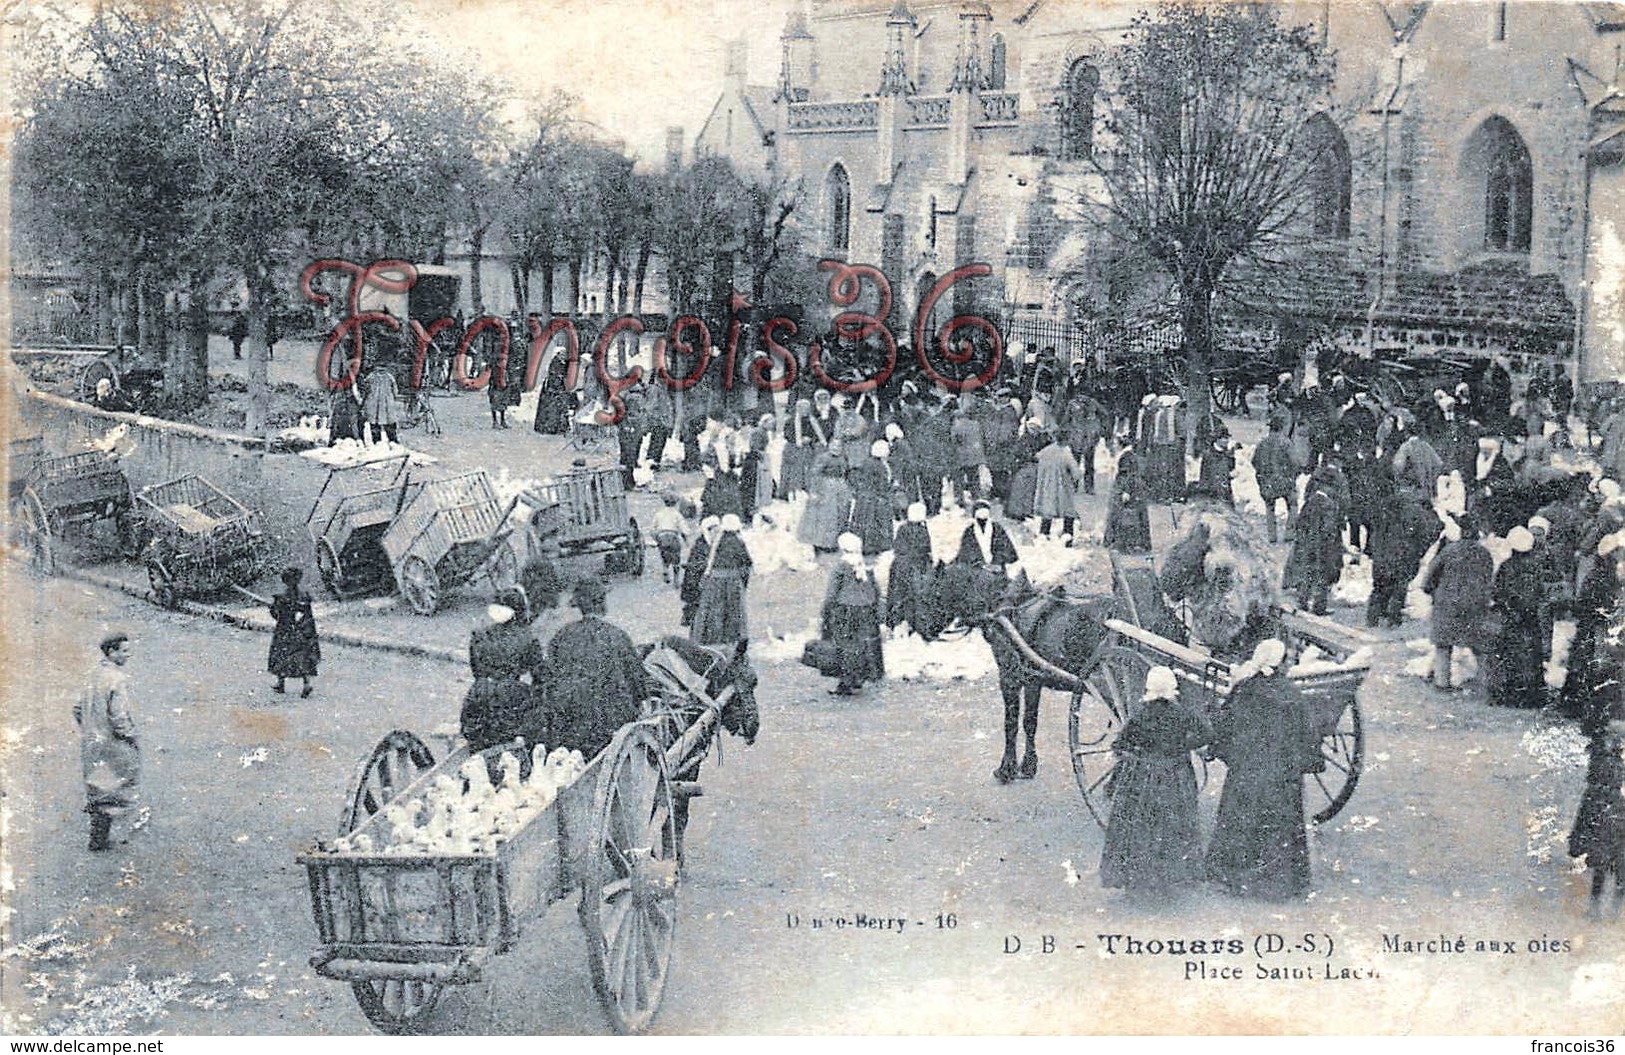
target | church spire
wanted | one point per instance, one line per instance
(894, 79)
(969, 73)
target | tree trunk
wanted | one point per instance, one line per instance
(145, 332)
(106, 298)
(259, 388)
(547, 286)
(645, 251)
(476, 251)
(1196, 317)
(519, 282)
(575, 284)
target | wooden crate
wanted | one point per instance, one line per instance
(444, 514)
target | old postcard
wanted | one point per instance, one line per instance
(814, 517)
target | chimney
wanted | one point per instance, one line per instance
(735, 54)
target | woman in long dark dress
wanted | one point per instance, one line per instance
(851, 618)
(1153, 839)
(911, 568)
(1128, 523)
(295, 649)
(1260, 848)
(1513, 659)
(872, 502)
(1599, 826)
(719, 618)
(694, 568)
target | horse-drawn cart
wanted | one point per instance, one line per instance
(200, 539)
(1329, 678)
(52, 496)
(401, 923)
(585, 511)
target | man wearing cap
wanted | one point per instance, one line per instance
(986, 544)
(595, 677)
(1277, 472)
(109, 753)
(719, 616)
(1403, 527)
(1513, 674)
(1316, 560)
(502, 653)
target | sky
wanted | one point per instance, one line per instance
(637, 66)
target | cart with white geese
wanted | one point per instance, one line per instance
(437, 867)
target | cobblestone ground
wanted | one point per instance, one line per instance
(883, 805)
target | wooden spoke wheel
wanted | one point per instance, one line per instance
(629, 886)
(634, 549)
(398, 760)
(98, 370)
(502, 568)
(1343, 750)
(33, 529)
(163, 586)
(328, 567)
(397, 1006)
(420, 584)
(1096, 717)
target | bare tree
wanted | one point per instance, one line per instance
(1207, 157)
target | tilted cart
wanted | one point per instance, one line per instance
(401, 928)
(200, 539)
(347, 521)
(446, 533)
(61, 494)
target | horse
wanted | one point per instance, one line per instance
(720, 669)
(1064, 634)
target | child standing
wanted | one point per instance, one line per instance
(1153, 839)
(1599, 827)
(670, 530)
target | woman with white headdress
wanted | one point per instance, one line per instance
(851, 618)
(699, 555)
(1513, 676)
(830, 505)
(911, 568)
(1262, 734)
(872, 502)
(1153, 839)
(719, 618)
(801, 434)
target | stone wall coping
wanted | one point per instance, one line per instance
(179, 428)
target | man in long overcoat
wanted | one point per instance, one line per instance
(1277, 473)
(1055, 496)
(1459, 581)
(1403, 528)
(109, 753)
(596, 679)
(1316, 561)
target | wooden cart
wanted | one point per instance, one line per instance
(59, 495)
(585, 512)
(200, 540)
(347, 521)
(400, 928)
(446, 533)
(1103, 698)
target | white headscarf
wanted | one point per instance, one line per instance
(1160, 684)
(851, 547)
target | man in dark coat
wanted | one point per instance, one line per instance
(1128, 524)
(1403, 528)
(1370, 485)
(1081, 422)
(500, 706)
(596, 679)
(986, 543)
(1316, 561)
(933, 443)
(1277, 472)
(237, 334)
(1459, 581)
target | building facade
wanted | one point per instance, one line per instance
(1469, 197)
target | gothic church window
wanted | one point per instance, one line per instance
(1330, 178)
(1078, 111)
(838, 192)
(1508, 187)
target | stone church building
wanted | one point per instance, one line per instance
(1469, 195)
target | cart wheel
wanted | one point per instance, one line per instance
(635, 553)
(163, 587)
(399, 759)
(1095, 718)
(629, 890)
(395, 1006)
(96, 371)
(1344, 751)
(503, 569)
(420, 585)
(327, 566)
(35, 530)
